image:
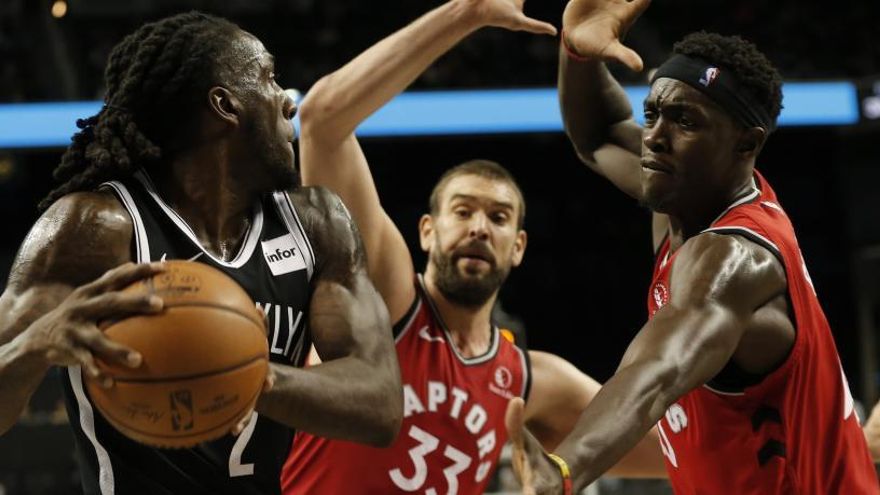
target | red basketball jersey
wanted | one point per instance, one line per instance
(795, 431)
(453, 425)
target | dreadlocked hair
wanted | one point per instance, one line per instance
(753, 70)
(154, 79)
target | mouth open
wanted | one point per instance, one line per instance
(656, 166)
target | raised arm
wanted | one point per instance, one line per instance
(355, 394)
(339, 102)
(58, 291)
(872, 433)
(595, 110)
(559, 394)
(717, 284)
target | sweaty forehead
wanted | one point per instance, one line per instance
(247, 52)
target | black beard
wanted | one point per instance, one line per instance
(285, 179)
(471, 293)
(280, 174)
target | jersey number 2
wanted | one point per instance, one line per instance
(236, 468)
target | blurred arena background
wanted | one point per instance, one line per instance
(580, 292)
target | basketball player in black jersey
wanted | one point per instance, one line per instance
(192, 157)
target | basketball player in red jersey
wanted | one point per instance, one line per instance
(737, 365)
(459, 372)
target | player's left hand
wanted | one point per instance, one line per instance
(872, 432)
(246, 418)
(595, 28)
(507, 14)
(534, 471)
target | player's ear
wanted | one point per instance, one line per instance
(519, 247)
(426, 232)
(224, 105)
(751, 141)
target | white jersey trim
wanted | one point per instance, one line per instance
(142, 243)
(525, 370)
(252, 236)
(493, 345)
(87, 421)
(719, 392)
(745, 199)
(294, 226)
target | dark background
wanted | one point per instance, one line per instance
(581, 290)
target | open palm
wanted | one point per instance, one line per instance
(509, 14)
(593, 29)
(531, 467)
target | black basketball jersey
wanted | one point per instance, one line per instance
(274, 265)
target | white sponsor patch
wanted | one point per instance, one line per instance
(283, 255)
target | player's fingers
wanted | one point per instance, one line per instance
(270, 380)
(122, 276)
(514, 420)
(525, 23)
(639, 6)
(624, 55)
(527, 478)
(108, 350)
(242, 423)
(87, 362)
(113, 305)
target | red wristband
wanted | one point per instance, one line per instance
(570, 51)
(567, 488)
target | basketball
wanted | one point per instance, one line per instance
(205, 358)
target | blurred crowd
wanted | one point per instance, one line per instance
(46, 58)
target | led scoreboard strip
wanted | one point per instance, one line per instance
(460, 112)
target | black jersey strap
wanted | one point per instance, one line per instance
(404, 322)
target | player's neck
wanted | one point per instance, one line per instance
(209, 199)
(697, 219)
(469, 327)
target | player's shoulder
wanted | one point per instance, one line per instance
(318, 205)
(79, 237)
(307, 197)
(548, 363)
(721, 247)
(727, 262)
(327, 222)
(89, 209)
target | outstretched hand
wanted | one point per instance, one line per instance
(872, 432)
(532, 468)
(508, 14)
(594, 28)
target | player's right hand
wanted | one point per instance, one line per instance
(534, 471)
(507, 14)
(594, 28)
(69, 334)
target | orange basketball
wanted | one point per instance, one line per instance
(205, 358)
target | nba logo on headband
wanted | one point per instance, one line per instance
(709, 76)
